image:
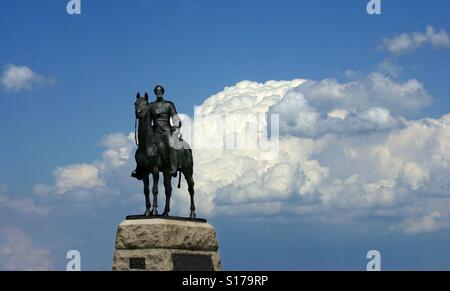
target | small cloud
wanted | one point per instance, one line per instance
(118, 150)
(19, 253)
(24, 205)
(42, 189)
(389, 68)
(16, 78)
(425, 224)
(407, 42)
(83, 176)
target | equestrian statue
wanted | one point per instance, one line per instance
(161, 149)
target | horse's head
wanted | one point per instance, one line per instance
(141, 107)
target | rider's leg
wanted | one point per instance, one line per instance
(173, 162)
(172, 155)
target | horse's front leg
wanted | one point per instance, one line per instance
(147, 194)
(168, 190)
(155, 175)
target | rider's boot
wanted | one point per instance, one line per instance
(137, 174)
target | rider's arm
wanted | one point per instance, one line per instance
(176, 121)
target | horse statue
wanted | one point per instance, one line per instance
(152, 157)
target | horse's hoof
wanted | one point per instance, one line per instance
(155, 211)
(147, 213)
(165, 213)
(193, 215)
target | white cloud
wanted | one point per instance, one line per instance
(85, 181)
(82, 176)
(118, 150)
(425, 224)
(16, 78)
(414, 175)
(407, 42)
(281, 180)
(389, 68)
(316, 108)
(19, 253)
(373, 90)
(24, 205)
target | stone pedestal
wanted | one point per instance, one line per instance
(159, 244)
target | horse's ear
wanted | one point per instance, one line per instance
(146, 96)
(138, 95)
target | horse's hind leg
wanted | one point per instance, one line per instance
(147, 194)
(168, 190)
(190, 182)
(155, 175)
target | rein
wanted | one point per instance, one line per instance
(135, 132)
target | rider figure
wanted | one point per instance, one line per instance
(160, 113)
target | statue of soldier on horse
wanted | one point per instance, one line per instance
(161, 149)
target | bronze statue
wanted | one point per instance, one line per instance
(161, 149)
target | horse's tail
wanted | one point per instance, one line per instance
(179, 179)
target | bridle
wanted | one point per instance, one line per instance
(136, 138)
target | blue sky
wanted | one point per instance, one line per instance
(91, 66)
